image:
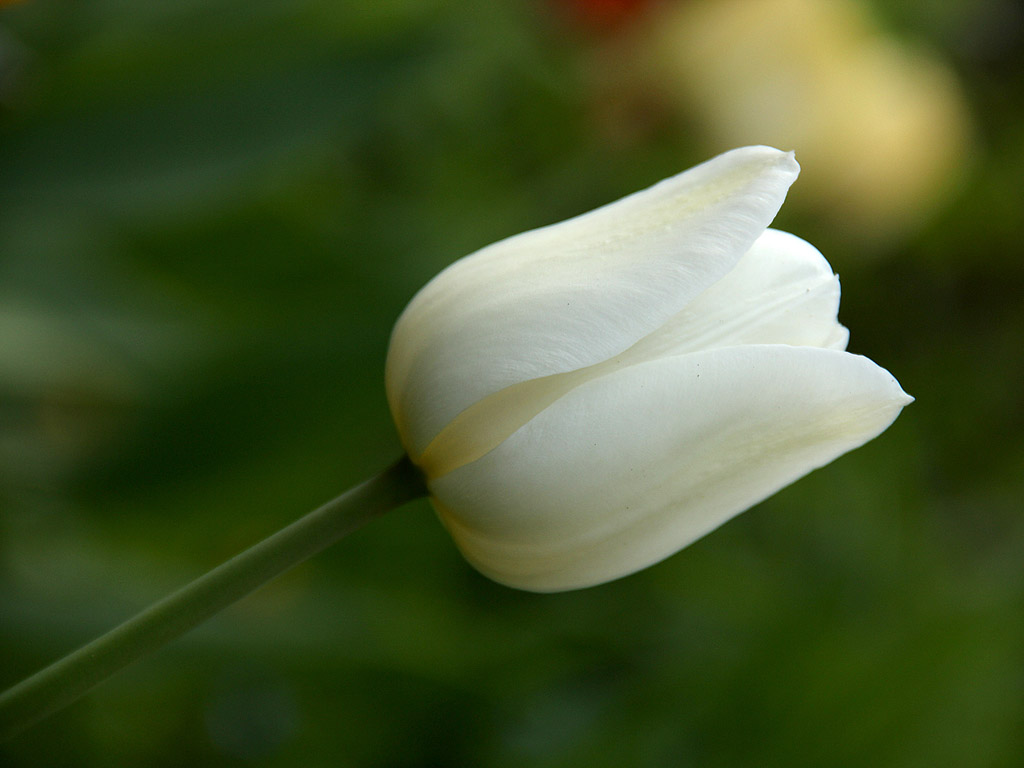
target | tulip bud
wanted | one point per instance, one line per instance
(588, 398)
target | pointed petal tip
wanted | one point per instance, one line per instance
(892, 399)
(788, 161)
(896, 392)
(784, 160)
(791, 158)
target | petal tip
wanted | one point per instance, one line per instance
(784, 160)
(899, 397)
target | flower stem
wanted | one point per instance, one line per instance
(71, 677)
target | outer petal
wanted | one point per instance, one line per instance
(576, 293)
(629, 468)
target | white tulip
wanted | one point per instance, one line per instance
(588, 398)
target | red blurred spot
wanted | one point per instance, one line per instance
(604, 14)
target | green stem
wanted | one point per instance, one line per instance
(69, 678)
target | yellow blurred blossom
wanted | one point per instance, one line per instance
(881, 126)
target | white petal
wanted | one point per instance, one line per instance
(782, 291)
(628, 468)
(576, 293)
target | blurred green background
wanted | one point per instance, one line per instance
(212, 212)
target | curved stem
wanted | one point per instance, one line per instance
(66, 680)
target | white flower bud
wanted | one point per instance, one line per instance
(588, 398)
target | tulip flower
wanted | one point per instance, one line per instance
(588, 398)
(581, 401)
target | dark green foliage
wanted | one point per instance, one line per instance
(210, 216)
